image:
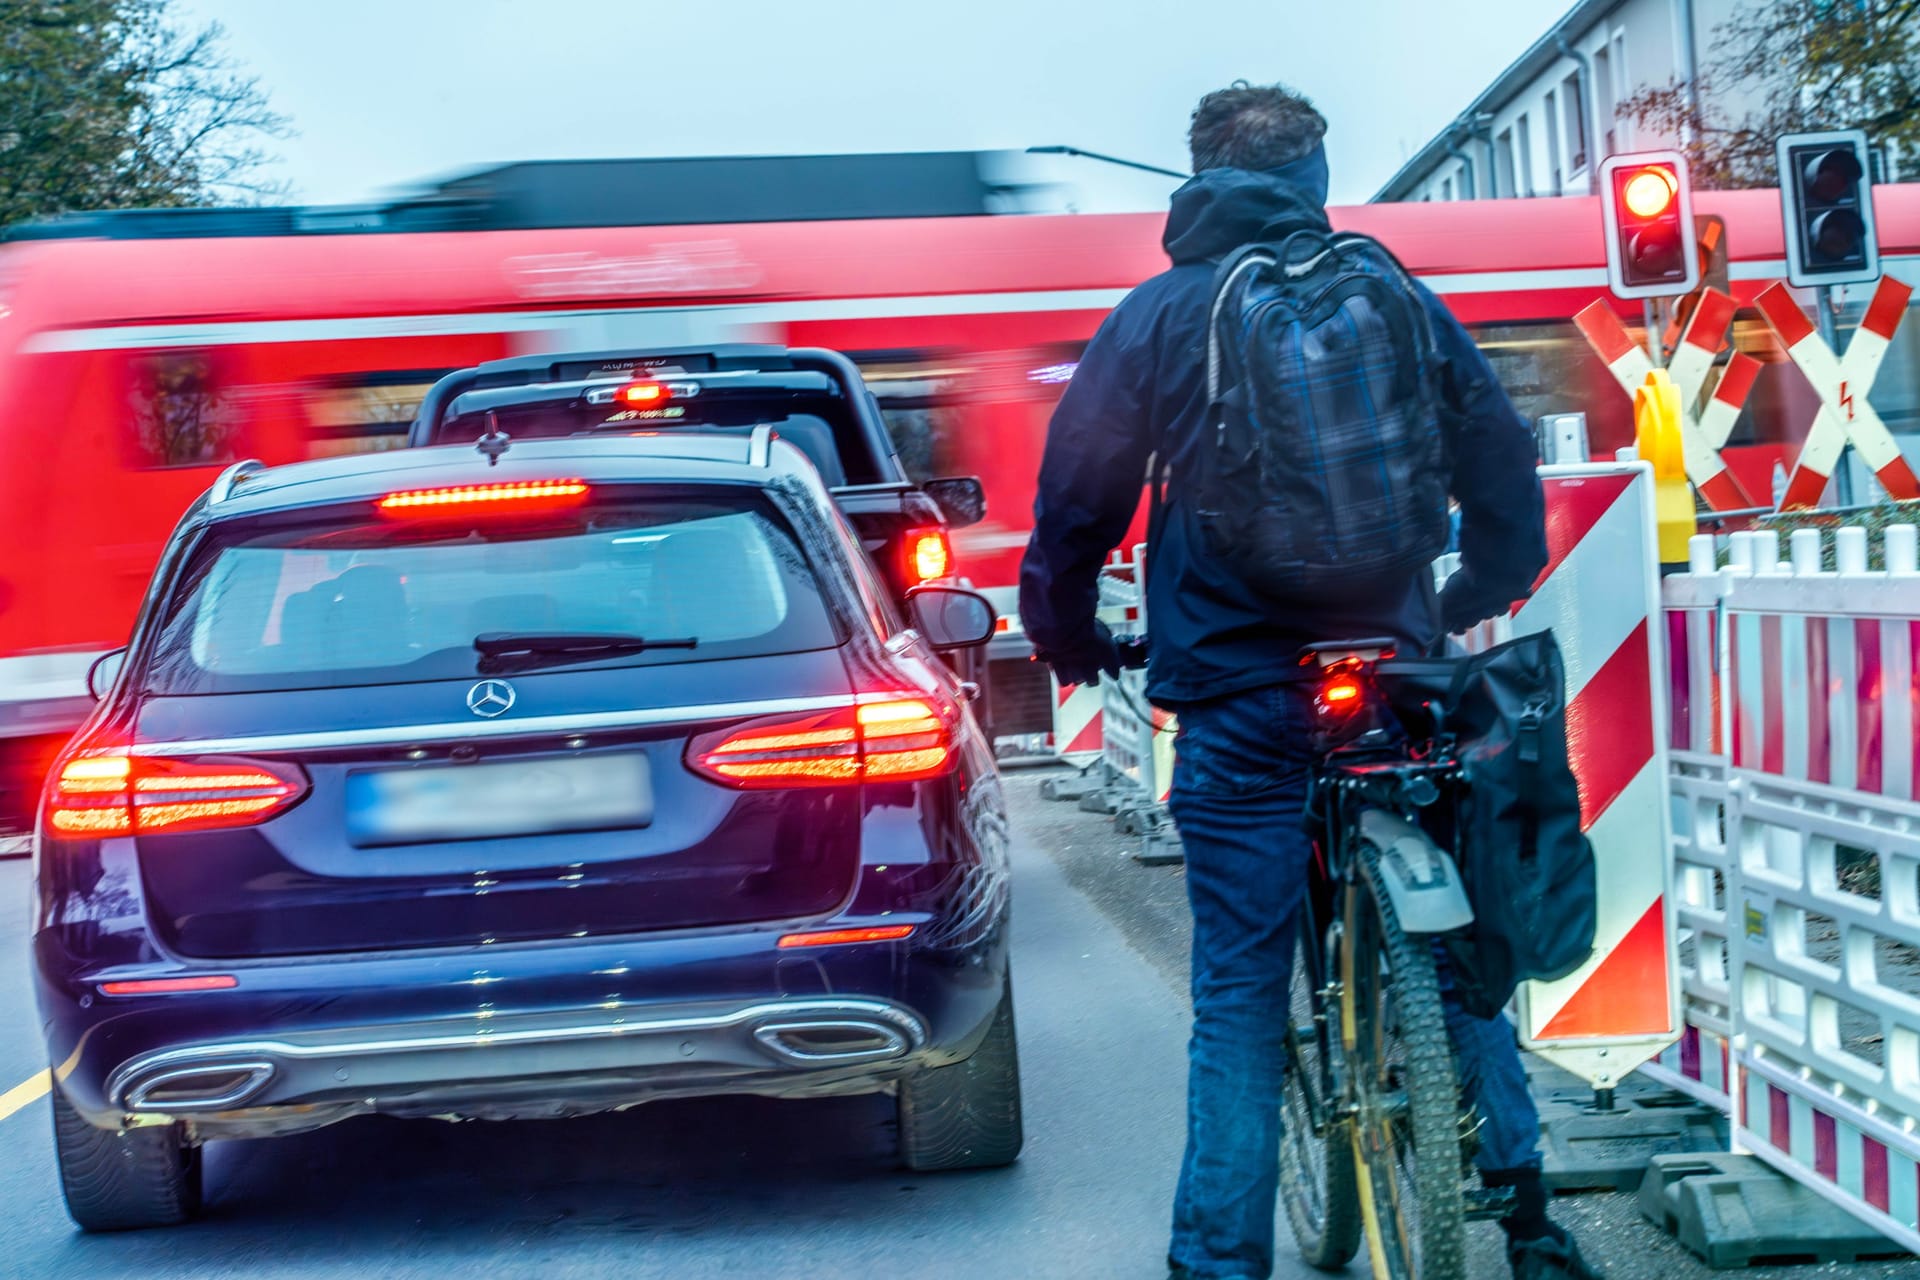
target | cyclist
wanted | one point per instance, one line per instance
(1224, 659)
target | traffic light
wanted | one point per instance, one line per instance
(1826, 196)
(1647, 209)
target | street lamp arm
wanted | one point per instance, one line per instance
(1095, 155)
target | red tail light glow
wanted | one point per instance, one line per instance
(525, 495)
(643, 393)
(114, 794)
(929, 555)
(835, 937)
(889, 739)
(1340, 689)
(170, 986)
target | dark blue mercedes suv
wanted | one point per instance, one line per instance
(534, 779)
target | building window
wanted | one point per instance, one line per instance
(1603, 100)
(1550, 126)
(1446, 187)
(1574, 115)
(1523, 148)
(1619, 86)
(1503, 177)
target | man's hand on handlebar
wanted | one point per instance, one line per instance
(1101, 654)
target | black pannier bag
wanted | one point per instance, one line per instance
(1529, 869)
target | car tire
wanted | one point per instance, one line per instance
(966, 1115)
(124, 1179)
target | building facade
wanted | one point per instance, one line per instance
(1544, 124)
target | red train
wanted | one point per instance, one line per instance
(140, 353)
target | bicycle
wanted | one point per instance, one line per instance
(1375, 1139)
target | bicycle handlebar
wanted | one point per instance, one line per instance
(1133, 651)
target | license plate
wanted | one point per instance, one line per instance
(511, 798)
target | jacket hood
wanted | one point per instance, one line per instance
(1218, 210)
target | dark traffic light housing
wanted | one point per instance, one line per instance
(1646, 207)
(1826, 197)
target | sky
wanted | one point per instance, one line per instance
(385, 93)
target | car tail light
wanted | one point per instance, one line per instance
(643, 393)
(112, 793)
(837, 937)
(525, 495)
(885, 739)
(170, 986)
(929, 555)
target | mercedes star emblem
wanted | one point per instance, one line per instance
(490, 698)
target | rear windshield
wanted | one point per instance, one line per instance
(354, 602)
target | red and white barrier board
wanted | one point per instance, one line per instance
(1600, 596)
(1076, 722)
(1798, 856)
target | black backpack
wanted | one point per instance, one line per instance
(1325, 482)
(1528, 867)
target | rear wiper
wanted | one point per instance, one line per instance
(516, 650)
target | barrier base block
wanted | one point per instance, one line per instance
(1736, 1211)
(1592, 1150)
(1160, 846)
(1070, 786)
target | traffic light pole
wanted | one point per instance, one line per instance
(1823, 306)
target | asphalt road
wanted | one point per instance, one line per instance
(748, 1187)
(735, 1187)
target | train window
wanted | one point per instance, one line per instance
(1547, 368)
(365, 413)
(919, 396)
(180, 413)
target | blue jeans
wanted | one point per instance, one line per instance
(1239, 791)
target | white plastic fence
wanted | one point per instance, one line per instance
(1136, 744)
(1792, 691)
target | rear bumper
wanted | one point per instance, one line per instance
(508, 1032)
(563, 1062)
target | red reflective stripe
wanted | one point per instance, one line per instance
(1804, 489)
(1773, 717)
(1826, 1148)
(1708, 324)
(1713, 642)
(1779, 1119)
(1723, 492)
(1738, 379)
(1066, 691)
(1679, 682)
(1604, 331)
(1784, 314)
(1573, 510)
(1898, 480)
(1888, 306)
(1819, 690)
(1627, 994)
(1743, 735)
(1867, 693)
(1088, 739)
(1610, 727)
(1873, 1174)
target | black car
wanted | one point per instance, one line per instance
(528, 780)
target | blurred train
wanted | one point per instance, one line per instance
(140, 352)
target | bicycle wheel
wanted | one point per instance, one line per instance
(1316, 1154)
(1406, 1131)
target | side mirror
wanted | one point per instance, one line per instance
(104, 671)
(963, 499)
(951, 618)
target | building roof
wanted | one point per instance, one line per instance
(1540, 55)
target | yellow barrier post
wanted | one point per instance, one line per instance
(1656, 426)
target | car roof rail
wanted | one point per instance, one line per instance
(760, 447)
(225, 482)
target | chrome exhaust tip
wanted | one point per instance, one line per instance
(824, 1042)
(207, 1087)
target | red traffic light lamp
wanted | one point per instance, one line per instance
(1647, 215)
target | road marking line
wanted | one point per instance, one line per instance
(29, 1090)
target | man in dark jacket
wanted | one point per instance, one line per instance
(1225, 660)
